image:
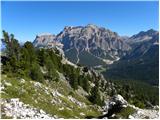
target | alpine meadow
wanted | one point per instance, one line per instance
(79, 60)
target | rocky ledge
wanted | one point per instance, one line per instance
(14, 108)
(116, 103)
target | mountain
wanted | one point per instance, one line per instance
(98, 42)
(42, 83)
(142, 62)
(144, 36)
(95, 46)
(43, 40)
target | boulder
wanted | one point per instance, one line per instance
(113, 105)
(118, 99)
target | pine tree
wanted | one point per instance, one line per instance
(35, 73)
(12, 51)
(74, 79)
(86, 83)
(95, 96)
(51, 74)
(31, 52)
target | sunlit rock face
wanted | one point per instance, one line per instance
(94, 39)
(43, 40)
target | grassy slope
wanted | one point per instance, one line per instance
(88, 59)
(37, 97)
(72, 55)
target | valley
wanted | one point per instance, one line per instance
(78, 74)
(122, 57)
(79, 59)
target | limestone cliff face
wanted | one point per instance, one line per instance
(94, 39)
(43, 40)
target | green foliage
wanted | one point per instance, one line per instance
(95, 96)
(45, 60)
(86, 83)
(29, 61)
(86, 57)
(12, 45)
(83, 81)
(35, 73)
(74, 79)
(12, 51)
(31, 52)
(138, 93)
(38, 98)
(41, 64)
(136, 67)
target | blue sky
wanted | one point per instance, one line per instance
(27, 19)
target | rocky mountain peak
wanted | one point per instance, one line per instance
(92, 26)
(143, 36)
(43, 39)
(98, 41)
(151, 32)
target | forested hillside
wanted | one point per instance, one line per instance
(43, 82)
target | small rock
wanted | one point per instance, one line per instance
(82, 114)
(37, 84)
(113, 115)
(8, 84)
(22, 80)
(1, 88)
(130, 117)
(76, 101)
(16, 109)
(61, 108)
(41, 111)
(68, 108)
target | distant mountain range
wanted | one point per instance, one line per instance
(141, 62)
(134, 57)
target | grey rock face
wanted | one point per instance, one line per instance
(97, 40)
(143, 36)
(113, 105)
(92, 38)
(115, 100)
(100, 42)
(43, 40)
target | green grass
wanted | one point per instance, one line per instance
(29, 95)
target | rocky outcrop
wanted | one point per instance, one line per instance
(113, 105)
(144, 113)
(14, 108)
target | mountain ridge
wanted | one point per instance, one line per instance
(42, 83)
(100, 42)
